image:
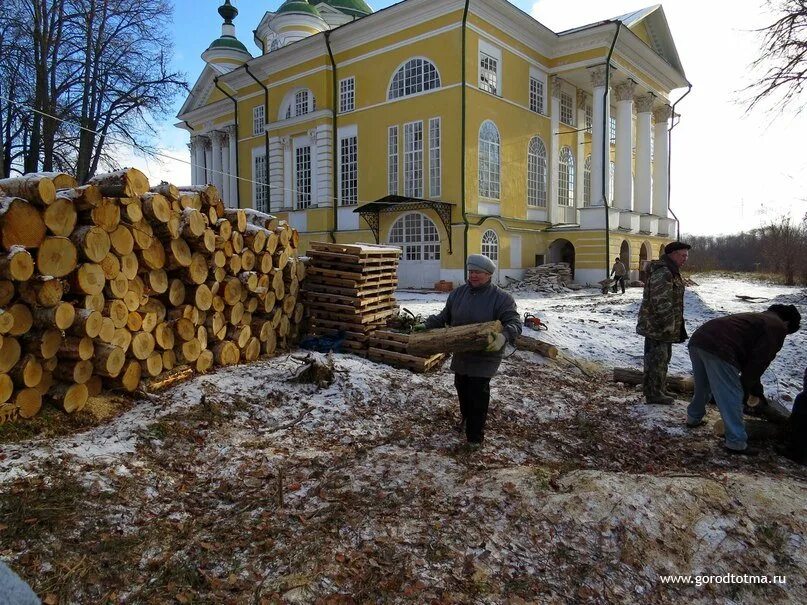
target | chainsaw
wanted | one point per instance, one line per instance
(533, 322)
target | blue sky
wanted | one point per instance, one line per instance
(730, 170)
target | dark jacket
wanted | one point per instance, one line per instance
(748, 341)
(661, 316)
(467, 305)
(619, 270)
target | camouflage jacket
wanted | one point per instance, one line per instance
(661, 316)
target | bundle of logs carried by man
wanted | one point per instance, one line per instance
(108, 283)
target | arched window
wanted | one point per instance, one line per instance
(587, 181)
(298, 103)
(417, 236)
(414, 76)
(566, 178)
(489, 166)
(490, 245)
(536, 173)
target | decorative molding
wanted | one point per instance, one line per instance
(557, 86)
(598, 76)
(662, 114)
(582, 99)
(625, 91)
(644, 103)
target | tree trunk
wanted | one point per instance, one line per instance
(473, 337)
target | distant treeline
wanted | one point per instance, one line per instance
(779, 248)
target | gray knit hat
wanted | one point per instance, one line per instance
(480, 262)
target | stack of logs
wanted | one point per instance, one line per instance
(350, 291)
(110, 282)
(551, 277)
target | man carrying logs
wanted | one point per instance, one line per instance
(661, 319)
(476, 302)
(729, 355)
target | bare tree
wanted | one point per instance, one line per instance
(783, 57)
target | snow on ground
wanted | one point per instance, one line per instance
(603, 328)
(243, 486)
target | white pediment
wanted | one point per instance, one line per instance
(203, 88)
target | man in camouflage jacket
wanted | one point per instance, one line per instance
(661, 319)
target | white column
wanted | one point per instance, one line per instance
(661, 160)
(193, 159)
(580, 156)
(600, 161)
(232, 186)
(199, 160)
(216, 164)
(643, 196)
(623, 179)
(324, 164)
(289, 189)
(554, 152)
(225, 168)
(207, 162)
(276, 176)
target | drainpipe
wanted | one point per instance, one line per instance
(606, 150)
(462, 146)
(192, 129)
(235, 113)
(265, 134)
(673, 123)
(334, 99)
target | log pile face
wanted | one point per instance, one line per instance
(113, 283)
(350, 289)
(551, 277)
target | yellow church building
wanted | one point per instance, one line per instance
(447, 128)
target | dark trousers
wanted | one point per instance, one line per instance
(619, 280)
(797, 429)
(474, 396)
(656, 361)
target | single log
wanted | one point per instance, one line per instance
(234, 313)
(205, 361)
(132, 212)
(61, 316)
(157, 282)
(155, 307)
(189, 351)
(117, 311)
(40, 290)
(202, 297)
(78, 372)
(156, 207)
(253, 349)
(142, 345)
(60, 217)
(150, 321)
(94, 302)
(83, 198)
(206, 243)
(226, 353)
(201, 336)
(92, 242)
(135, 321)
(678, 384)
(128, 182)
(255, 238)
(17, 264)
(143, 234)
(196, 273)
(87, 323)
(234, 264)
(170, 229)
(224, 229)
(110, 266)
(6, 388)
(6, 321)
(129, 265)
(10, 352)
(76, 347)
(264, 262)
(272, 242)
(117, 287)
(191, 200)
(43, 344)
(7, 292)
(129, 378)
(28, 402)
(95, 385)
(88, 279)
(108, 360)
(34, 187)
(240, 335)
(105, 215)
(69, 397)
(184, 328)
(154, 256)
(248, 260)
(169, 359)
(178, 254)
(237, 218)
(122, 339)
(56, 257)
(472, 337)
(237, 241)
(166, 189)
(27, 372)
(526, 343)
(107, 332)
(122, 240)
(164, 335)
(192, 224)
(23, 319)
(20, 224)
(153, 365)
(61, 180)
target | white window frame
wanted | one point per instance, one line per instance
(490, 245)
(258, 120)
(260, 187)
(393, 160)
(417, 236)
(490, 52)
(489, 171)
(288, 109)
(348, 171)
(413, 77)
(300, 201)
(566, 177)
(347, 94)
(435, 157)
(587, 182)
(413, 159)
(612, 127)
(567, 109)
(538, 77)
(537, 165)
(589, 117)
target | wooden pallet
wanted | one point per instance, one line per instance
(360, 249)
(410, 362)
(348, 326)
(363, 292)
(365, 318)
(352, 259)
(348, 301)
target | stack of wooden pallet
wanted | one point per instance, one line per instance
(388, 346)
(112, 281)
(350, 290)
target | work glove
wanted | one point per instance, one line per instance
(419, 328)
(497, 344)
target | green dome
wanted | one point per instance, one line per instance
(297, 6)
(356, 8)
(228, 43)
